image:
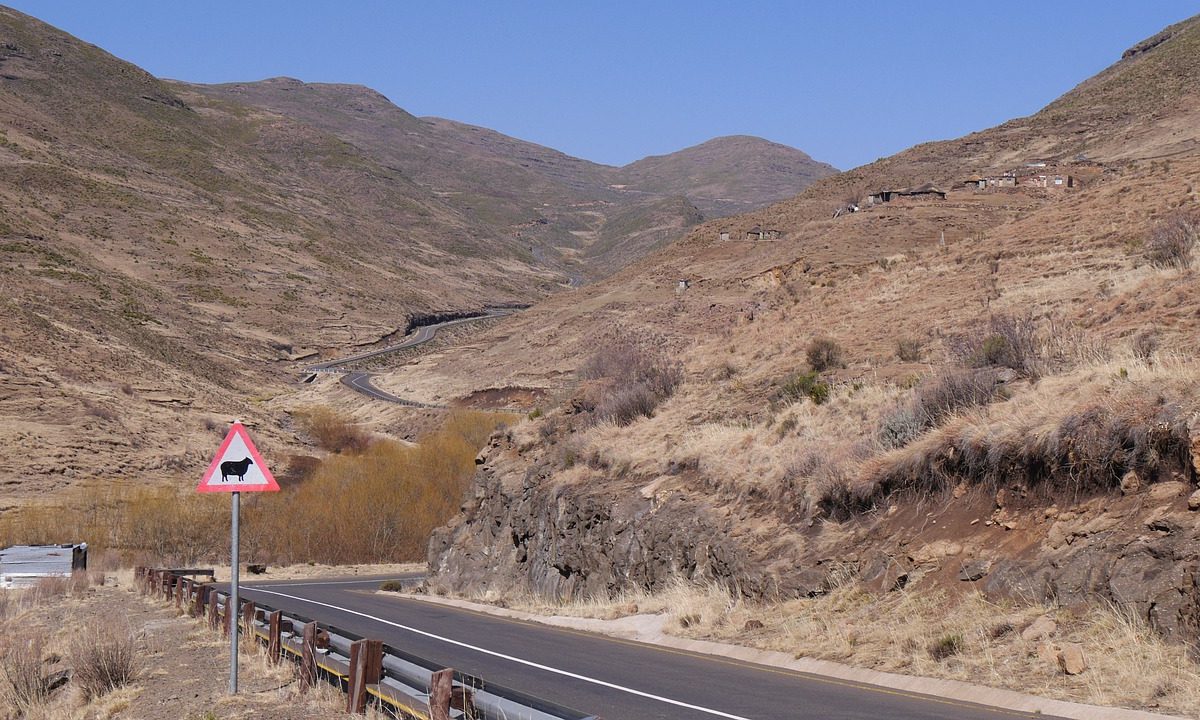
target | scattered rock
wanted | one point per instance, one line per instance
(1001, 497)
(1048, 653)
(1130, 483)
(1071, 659)
(960, 490)
(1043, 627)
(885, 574)
(1166, 490)
(974, 570)
(1194, 501)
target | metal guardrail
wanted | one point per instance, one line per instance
(369, 671)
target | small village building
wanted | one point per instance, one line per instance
(724, 235)
(684, 284)
(926, 191)
(988, 182)
(759, 233)
(24, 566)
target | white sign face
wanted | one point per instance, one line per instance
(238, 467)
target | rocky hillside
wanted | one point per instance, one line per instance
(956, 388)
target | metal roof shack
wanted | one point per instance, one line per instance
(24, 565)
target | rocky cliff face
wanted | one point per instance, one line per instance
(523, 528)
(531, 525)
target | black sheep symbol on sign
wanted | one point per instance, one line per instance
(238, 467)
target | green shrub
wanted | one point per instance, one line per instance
(806, 385)
(391, 586)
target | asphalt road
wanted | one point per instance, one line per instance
(614, 678)
(361, 381)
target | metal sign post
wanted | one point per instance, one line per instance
(234, 607)
(237, 468)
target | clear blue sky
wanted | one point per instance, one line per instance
(613, 81)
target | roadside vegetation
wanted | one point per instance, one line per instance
(369, 500)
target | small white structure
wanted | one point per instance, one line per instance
(684, 284)
(22, 566)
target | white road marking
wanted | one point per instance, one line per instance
(319, 582)
(529, 663)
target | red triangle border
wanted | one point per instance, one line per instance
(206, 483)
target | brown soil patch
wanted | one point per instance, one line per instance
(505, 398)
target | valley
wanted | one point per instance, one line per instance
(935, 415)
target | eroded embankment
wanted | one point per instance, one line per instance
(1099, 510)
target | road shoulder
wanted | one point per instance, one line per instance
(649, 629)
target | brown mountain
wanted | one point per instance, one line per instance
(727, 175)
(559, 205)
(168, 251)
(924, 442)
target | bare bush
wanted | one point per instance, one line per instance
(1022, 344)
(21, 672)
(333, 432)
(1145, 344)
(633, 375)
(825, 353)
(908, 349)
(1172, 241)
(936, 399)
(104, 659)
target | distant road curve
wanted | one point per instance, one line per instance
(360, 381)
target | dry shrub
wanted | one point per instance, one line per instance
(1025, 345)
(631, 376)
(104, 658)
(1064, 451)
(22, 677)
(1173, 240)
(1145, 344)
(379, 505)
(825, 353)
(332, 432)
(936, 399)
(908, 349)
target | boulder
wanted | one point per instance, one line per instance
(1130, 483)
(885, 574)
(1048, 652)
(1071, 660)
(974, 570)
(1168, 490)
(1194, 501)
(1043, 627)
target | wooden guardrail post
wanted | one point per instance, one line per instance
(213, 615)
(227, 619)
(274, 645)
(248, 621)
(179, 590)
(441, 687)
(366, 668)
(197, 609)
(308, 656)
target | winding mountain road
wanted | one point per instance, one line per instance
(615, 678)
(360, 381)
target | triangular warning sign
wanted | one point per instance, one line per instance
(238, 467)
